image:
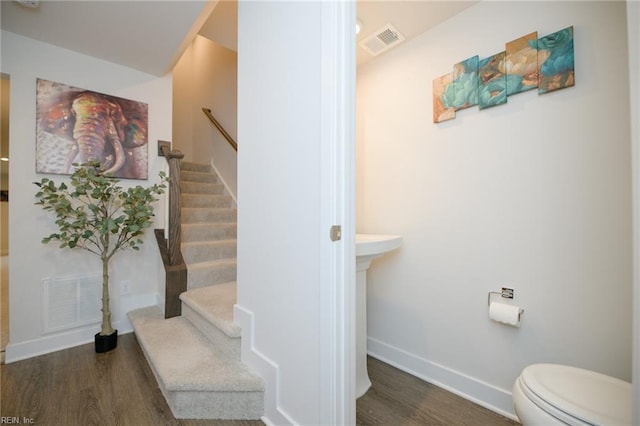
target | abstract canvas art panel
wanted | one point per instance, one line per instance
(521, 64)
(465, 83)
(443, 96)
(492, 88)
(556, 61)
(75, 125)
(526, 63)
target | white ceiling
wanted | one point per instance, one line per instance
(150, 36)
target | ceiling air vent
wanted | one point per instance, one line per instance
(383, 39)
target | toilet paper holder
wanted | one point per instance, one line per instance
(506, 293)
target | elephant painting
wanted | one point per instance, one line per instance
(75, 126)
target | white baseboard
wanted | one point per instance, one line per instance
(79, 336)
(57, 342)
(263, 366)
(224, 183)
(477, 391)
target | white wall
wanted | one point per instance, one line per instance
(633, 23)
(294, 177)
(206, 77)
(30, 261)
(4, 166)
(183, 109)
(222, 25)
(533, 195)
(278, 247)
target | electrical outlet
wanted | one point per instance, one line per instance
(125, 287)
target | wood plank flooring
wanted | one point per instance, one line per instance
(79, 387)
(398, 398)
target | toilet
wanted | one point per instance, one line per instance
(552, 394)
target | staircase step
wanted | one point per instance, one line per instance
(188, 187)
(195, 167)
(204, 274)
(210, 201)
(215, 303)
(197, 379)
(208, 231)
(195, 176)
(210, 310)
(203, 214)
(202, 251)
(196, 357)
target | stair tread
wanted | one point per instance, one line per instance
(227, 241)
(208, 231)
(215, 304)
(206, 200)
(197, 194)
(205, 224)
(190, 196)
(212, 263)
(194, 163)
(195, 176)
(209, 225)
(183, 358)
(195, 166)
(209, 208)
(197, 188)
(193, 172)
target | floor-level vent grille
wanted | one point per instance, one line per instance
(382, 40)
(70, 302)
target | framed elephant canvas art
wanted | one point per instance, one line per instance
(76, 125)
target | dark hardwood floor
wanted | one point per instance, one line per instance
(398, 398)
(79, 387)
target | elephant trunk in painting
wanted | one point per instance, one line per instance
(99, 130)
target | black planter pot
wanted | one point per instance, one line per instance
(106, 343)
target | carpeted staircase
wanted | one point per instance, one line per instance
(196, 357)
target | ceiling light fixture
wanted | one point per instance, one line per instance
(32, 4)
(358, 26)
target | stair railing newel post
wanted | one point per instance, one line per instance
(174, 208)
(175, 268)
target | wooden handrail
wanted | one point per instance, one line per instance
(224, 133)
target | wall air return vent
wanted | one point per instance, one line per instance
(382, 40)
(71, 301)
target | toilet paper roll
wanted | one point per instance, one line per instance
(506, 314)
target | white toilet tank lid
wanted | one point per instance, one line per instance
(589, 396)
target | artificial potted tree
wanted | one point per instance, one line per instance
(97, 215)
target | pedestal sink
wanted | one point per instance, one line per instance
(368, 247)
